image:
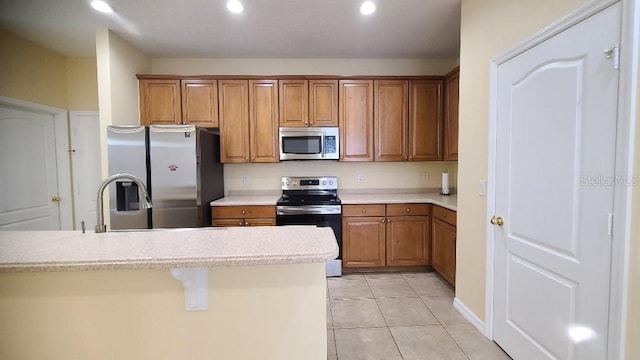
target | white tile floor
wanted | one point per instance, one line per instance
(400, 316)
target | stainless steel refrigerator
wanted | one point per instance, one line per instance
(180, 165)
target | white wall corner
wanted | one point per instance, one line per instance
(196, 287)
(471, 317)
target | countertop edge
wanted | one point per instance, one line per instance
(167, 263)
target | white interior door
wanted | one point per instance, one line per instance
(28, 179)
(555, 154)
(85, 161)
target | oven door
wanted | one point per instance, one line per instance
(295, 215)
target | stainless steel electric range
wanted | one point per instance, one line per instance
(312, 201)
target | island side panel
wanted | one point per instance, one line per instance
(255, 312)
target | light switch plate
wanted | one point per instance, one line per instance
(482, 189)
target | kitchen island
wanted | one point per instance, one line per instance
(125, 295)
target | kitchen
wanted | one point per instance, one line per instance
(474, 60)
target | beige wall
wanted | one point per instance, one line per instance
(200, 66)
(31, 72)
(82, 83)
(255, 312)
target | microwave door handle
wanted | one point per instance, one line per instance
(322, 149)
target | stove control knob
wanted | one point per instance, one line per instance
(324, 182)
(330, 182)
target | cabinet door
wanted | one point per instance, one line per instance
(294, 102)
(160, 102)
(451, 89)
(263, 120)
(200, 103)
(390, 120)
(356, 120)
(444, 250)
(234, 120)
(323, 103)
(425, 120)
(408, 240)
(363, 241)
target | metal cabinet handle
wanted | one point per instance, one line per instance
(55, 198)
(364, 210)
(243, 212)
(408, 210)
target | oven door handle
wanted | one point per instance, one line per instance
(309, 210)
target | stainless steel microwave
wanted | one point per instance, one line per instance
(309, 143)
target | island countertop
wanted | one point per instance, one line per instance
(199, 247)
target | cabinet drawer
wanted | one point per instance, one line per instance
(256, 211)
(444, 214)
(407, 209)
(363, 210)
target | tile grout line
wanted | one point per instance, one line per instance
(384, 318)
(454, 340)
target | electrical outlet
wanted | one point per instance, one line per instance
(360, 178)
(482, 189)
(425, 177)
(245, 179)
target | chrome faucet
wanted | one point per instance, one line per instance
(143, 193)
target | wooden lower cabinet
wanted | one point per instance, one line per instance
(407, 240)
(444, 243)
(256, 215)
(385, 235)
(363, 241)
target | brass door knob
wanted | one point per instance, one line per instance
(55, 198)
(497, 220)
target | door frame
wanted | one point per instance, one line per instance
(63, 159)
(626, 127)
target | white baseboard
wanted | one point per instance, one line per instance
(470, 316)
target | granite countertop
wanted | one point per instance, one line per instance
(246, 200)
(449, 201)
(199, 247)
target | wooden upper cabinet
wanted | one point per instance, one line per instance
(263, 121)
(425, 120)
(390, 120)
(356, 120)
(234, 120)
(160, 102)
(294, 103)
(200, 103)
(451, 106)
(323, 102)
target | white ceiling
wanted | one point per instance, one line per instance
(409, 29)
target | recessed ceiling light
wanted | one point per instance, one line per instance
(367, 8)
(235, 6)
(102, 6)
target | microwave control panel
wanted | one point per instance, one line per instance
(330, 145)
